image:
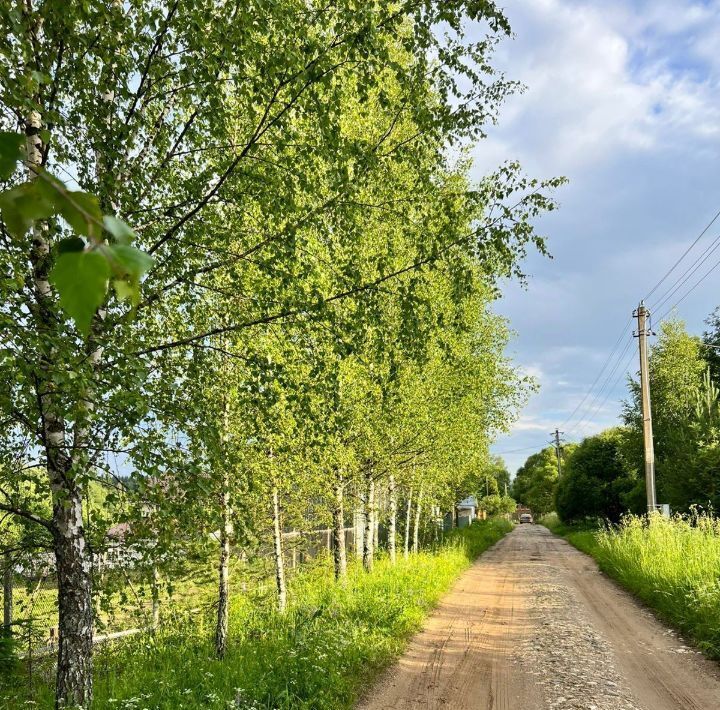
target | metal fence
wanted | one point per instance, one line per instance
(32, 610)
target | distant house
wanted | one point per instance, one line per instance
(463, 514)
(466, 511)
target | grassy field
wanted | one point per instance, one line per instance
(673, 565)
(320, 654)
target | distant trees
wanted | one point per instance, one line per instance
(686, 425)
(536, 480)
(493, 496)
(604, 476)
(711, 344)
(496, 504)
(598, 481)
(497, 469)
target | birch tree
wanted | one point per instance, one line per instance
(200, 124)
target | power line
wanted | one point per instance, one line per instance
(599, 375)
(591, 410)
(621, 374)
(689, 291)
(713, 246)
(515, 451)
(684, 254)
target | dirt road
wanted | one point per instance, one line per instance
(533, 625)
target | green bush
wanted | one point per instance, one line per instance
(598, 482)
(8, 654)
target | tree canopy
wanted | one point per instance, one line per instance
(684, 400)
(243, 253)
(597, 481)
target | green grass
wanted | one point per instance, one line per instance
(673, 565)
(320, 654)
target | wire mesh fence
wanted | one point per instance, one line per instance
(125, 595)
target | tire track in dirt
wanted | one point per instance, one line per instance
(463, 658)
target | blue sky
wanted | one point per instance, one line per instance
(623, 98)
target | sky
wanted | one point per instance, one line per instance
(622, 98)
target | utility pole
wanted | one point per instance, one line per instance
(557, 442)
(643, 330)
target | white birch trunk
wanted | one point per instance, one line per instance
(368, 548)
(339, 553)
(416, 531)
(376, 521)
(155, 598)
(75, 617)
(279, 562)
(7, 594)
(360, 527)
(221, 630)
(408, 525)
(392, 521)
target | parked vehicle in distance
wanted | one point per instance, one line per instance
(526, 518)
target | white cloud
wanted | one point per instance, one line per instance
(529, 423)
(623, 97)
(593, 86)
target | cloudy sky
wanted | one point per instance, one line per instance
(623, 98)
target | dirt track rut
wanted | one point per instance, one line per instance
(533, 624)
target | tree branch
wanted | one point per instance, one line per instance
(26, 514)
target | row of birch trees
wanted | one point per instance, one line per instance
(243, 254)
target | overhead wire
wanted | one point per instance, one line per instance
(599, 375)
(689, 291)
(621, 373)
(592, 408)
(688, 273)
(596, 404)
(515, 451)
(683, 255)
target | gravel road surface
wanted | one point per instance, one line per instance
(533, 625)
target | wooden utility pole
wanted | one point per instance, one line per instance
(643, 330)
(558, 449)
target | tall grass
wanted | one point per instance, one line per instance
(674, 566)
(320, 654)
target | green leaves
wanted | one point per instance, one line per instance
(122, 233)
(129, 264)
(81, 276)
(85, 261)
(10, 153)
(81, 280)
(81, 211)
(22, 205)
